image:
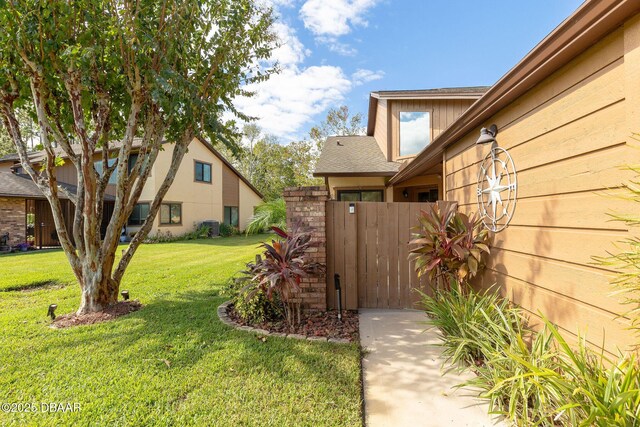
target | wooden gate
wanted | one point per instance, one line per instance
(369, 250)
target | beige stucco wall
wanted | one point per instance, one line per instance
(568, 137)
(200, 201)
(248, 201)
(355, 183)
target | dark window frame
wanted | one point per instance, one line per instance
(197, 163)
(140, 219)
(224, 211)
(339, 193)
(430, 193)
(170, 204)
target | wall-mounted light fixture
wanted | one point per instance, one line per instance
(488, 135)
(352, 208)
(405, 193)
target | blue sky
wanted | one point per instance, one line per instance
(335, 52)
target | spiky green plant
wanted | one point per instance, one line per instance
(447, 245)
(627, 262)
(599, 391)
(269, 214)
(459, 313)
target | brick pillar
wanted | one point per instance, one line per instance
(307, 206)
(13, 219)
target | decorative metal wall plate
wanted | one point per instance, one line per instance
(497, 187)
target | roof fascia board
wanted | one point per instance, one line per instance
(590, 22)
(354, 174)
(430, 96)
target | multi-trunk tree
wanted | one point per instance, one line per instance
(105, 79)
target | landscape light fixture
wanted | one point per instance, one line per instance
(336, 282)
(488, 135)
(52, 311)
(125, 295)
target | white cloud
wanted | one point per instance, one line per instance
(289, 100)
(414, 132)
(336, 46)
(362, 76)
(292, 99)
(334, 17)
(291, 51)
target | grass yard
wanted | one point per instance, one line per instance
(171, 363)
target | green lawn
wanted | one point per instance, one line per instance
(116, 371)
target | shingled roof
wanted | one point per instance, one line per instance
(441, 93)
(353, 155)
(21, 186)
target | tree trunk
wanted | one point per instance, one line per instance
(99, 290)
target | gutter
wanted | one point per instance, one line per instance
(588, 24)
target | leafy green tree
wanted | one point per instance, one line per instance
(339, 121)
(94, 72)
(27, 129)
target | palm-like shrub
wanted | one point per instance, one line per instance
(268, 214)
(281, 270)
(627, 262)
(448, 245)
(459, 315)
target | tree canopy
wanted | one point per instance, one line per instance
(97, 75)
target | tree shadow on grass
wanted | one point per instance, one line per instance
(175, 334)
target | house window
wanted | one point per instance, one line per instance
(139, 214)
(170, 213)
(114, 175)
(430, 196)
(415, 132)
(231, 215)
(360, 195)
(203, 172)
(133, 158)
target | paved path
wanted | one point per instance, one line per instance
(403, 382)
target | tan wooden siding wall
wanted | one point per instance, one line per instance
(568, 137)
(442, 114)
(381, 132)
(230, 187)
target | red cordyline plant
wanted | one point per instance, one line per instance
(448, 245)
(284, 265)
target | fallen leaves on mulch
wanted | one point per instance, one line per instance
(121, 308)
(320, 324)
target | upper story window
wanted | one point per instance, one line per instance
(114, 175)
(202, 172)
(133, 158)
(415, 132)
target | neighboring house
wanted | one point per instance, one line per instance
(206, 187)
(566, 114)
(400, 124)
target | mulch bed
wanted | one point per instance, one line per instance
(121, 308)
(320, 324)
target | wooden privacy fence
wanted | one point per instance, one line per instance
(369, 250)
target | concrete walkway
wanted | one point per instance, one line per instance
(403, 382)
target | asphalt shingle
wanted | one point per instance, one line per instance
(342, 155)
